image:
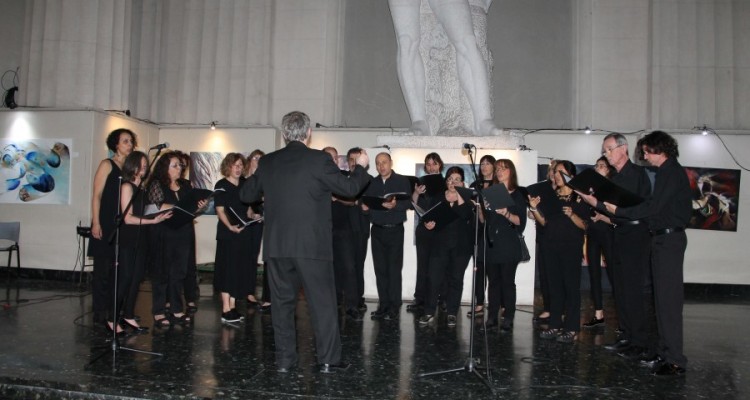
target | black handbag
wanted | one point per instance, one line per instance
(525, 255)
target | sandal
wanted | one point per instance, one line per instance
(192, 308)
(184, 319)
(479, 312)
(567, 337)
(162, 322)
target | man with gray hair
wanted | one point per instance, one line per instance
(630, 252)
(297, 183)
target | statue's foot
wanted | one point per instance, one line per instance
(487, 127)
(420, 128)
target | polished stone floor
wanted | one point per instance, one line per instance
(48, 339)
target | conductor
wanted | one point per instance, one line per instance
(297, 183)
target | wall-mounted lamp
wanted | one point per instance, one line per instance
(213, 125)
(587, 130)
(705, 130)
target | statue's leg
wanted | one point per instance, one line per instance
(405, 14)
(455, 17)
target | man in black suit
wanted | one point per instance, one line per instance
(297, 184)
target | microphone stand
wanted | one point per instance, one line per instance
(473, 162)
(471, 363)
(119, 220)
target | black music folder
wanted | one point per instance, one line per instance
(434, 184)
(590, 182)
(242, 222)
(549, 203)
(441, 213)
(180, 216)
(498, 197)
(376, 202)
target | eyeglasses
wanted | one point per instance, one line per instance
(611, 149)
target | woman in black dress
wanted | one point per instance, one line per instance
(503, 247)
(563, 252)
(450, 251)
(133, 238)
(233, 255)
(191, 277)
(256, 236)
(487, 170)
(104, 207)
(599, 236)
(172, 243)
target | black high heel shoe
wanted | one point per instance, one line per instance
(110, 329)
(137, 329)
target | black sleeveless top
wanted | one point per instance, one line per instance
(134, 235)
(108, 208)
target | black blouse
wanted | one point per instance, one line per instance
(230, 198)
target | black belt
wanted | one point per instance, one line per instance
(627, 222)
(387, 225)
(666, 231)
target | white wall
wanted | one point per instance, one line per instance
(712, 256)
(48, 236)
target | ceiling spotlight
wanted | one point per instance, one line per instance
(704, 130)
(213, 125)
(587, 130)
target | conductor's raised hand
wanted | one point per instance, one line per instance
(363, 160)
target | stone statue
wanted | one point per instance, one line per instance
(434, 98)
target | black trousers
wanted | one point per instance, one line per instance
(360, 255)
(563, 263)
(344, 267)
(170, 270)
(667, 257)
(190, 287)
(541, 272)
(388, 260)
(256, 237)
(101, 294)
(598, 243)
(132, 260)
(502, 289)
(124, 277)
(630, 264)
(285, 277)
(446, 276)
(424, 250)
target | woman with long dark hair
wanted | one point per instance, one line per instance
(133, 239)
(487, 171)
(433, 164)
(165, 189)
(104, 209)
(563, 241)
(503, 247)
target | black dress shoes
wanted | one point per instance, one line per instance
(593, 323)
(490, 324)
(667, 369)
(618, 346)
(650, 361)
(362, 307)
(507, 325)
(414, 306)
(333, 368)
(633, 352)
(286, 369)
(354, 314)
(378, 314)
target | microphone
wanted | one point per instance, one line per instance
(160, 146)
(468, 146)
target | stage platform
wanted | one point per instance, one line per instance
(47, 338)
